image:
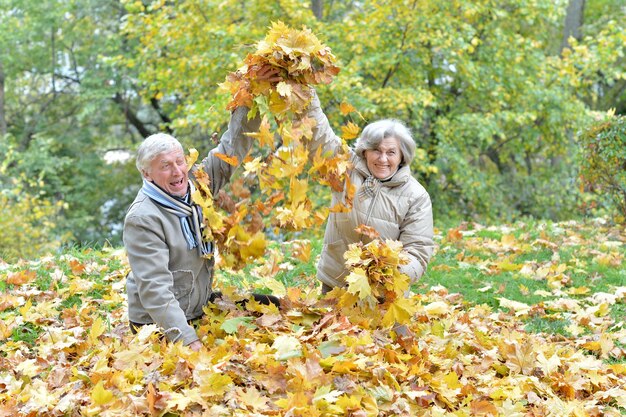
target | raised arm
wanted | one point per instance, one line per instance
(234, 142)
(323, 135)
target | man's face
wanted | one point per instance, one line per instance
(383, 161)
(168, 170)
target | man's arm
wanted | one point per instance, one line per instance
(233, 143)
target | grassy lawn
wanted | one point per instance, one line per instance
(529, 262)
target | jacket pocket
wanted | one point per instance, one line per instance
(183, 286)
(333, 263)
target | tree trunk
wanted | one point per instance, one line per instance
(317, 6)
(573, 22)
(3, 122)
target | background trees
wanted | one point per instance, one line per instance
(494, 91)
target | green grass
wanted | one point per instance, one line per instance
(547, 324)
(468, 267)
(27, 333)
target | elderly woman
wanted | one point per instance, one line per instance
(171, 267)
(387, 198)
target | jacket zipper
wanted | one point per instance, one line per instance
(371, 207)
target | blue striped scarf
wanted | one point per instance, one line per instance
(189, 214)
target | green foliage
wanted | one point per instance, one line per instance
(27, 222)
(594, 66)
(492, 102)
(61, 111)
(89, 196)
(603, 161)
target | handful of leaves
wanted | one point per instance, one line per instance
(376, 285)
(281, 70)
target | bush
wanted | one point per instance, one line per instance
(27, 223)
(603, 162)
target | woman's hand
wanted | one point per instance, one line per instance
(268, 73)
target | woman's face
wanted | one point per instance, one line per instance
(383, 161)
(168, 170)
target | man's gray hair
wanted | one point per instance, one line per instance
(375, 132)
(152, 146)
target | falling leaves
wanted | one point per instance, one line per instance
(275, 82)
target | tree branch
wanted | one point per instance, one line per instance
(164, 117)
(131, 117)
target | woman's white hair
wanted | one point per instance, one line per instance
(152, 146)
(375, 132)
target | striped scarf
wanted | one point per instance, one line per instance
(368, 189)
(189, 214)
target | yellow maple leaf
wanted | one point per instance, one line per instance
(213, 384)
(264, 135)
(353, 254)
(284, 89)
(191, 158)
(97, 329)
(252, 399)
(297, 216)
(229, 159)
(437, 308)
(350, 131)
(277, 103)
(28, 368)
(346, 108)
(298, 190)
(400, 312)
(520, 356)
(253, 166)
(254, 247)
(100, 395)
(358, 283)
(286, 347)
(25, 309)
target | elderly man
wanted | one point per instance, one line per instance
(171, 273)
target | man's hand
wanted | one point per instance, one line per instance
(195, 345)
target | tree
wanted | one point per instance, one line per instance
(573, 22)
(3, 122)
(60, 81)
(594, 63)
(603, 162)
(482, 84)
(317, 6)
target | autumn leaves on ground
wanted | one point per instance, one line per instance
(66, 349)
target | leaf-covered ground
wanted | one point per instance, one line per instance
(475, 347)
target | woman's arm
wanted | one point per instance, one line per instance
(416, 235)
(324, 137)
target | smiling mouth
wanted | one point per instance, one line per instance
(177, 183)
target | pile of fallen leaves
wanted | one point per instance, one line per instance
(65, 350)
